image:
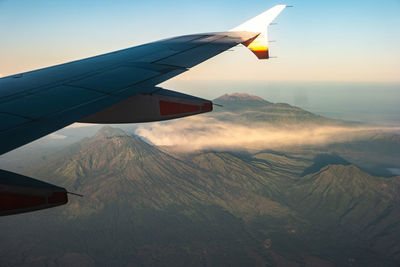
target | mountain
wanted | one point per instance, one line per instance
(143, 206)
(241, 101)
(127, 168)
(376, 152)
(322, 160)
(351, 206)
(248, 109)
(130, 169)
(138, 195)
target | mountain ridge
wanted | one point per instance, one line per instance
(270, 200)
(154, 176)
(248, 109)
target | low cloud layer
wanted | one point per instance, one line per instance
(56, 136)
(197, 133)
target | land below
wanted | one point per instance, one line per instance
(254, 183)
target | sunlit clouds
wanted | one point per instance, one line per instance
(202, 132)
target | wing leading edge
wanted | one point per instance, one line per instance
(110, 88)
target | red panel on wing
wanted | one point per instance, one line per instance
(173, 108)
(14, 201)
(10, 201)
(58, 198)
(207, 106)
(19, 194)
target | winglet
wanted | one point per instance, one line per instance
(259, 24)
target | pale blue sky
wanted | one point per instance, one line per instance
(317, 40)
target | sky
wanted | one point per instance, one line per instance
(350, 41)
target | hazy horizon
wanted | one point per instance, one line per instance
(374, 103)
(340, 41)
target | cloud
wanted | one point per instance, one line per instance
(57, 136)
(80, 125)
(198, 133)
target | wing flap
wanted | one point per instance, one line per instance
(160, 105)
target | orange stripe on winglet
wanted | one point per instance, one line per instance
(259, 46)
(261, 54)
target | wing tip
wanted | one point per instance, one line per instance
(260, 22)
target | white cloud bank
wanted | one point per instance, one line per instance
(197, 133)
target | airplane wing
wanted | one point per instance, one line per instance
(118, 87)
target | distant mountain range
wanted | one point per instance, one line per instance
(145, 206)
(248, 109)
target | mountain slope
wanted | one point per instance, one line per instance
(117, 166)
(133, 191)
(142, 206)
(353, 205)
